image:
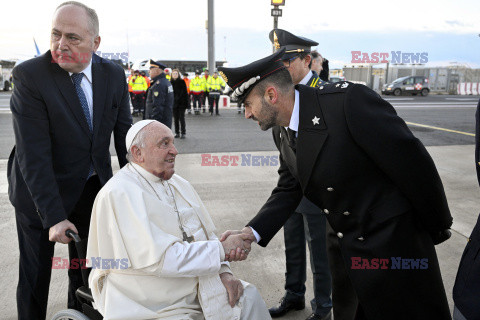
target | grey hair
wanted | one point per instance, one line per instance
(138, 141)
(91, 13)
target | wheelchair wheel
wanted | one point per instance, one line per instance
(70, 314)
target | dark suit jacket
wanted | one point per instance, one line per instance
(378, 186)
(466, 292)
(49, 166)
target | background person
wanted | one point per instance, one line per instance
(139, 88)
(215, 86)
(63, 119)
(180, 103)
(197, 89)
(317, 62)
(160, 95)
(187, 83)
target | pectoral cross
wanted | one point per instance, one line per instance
(188, 239)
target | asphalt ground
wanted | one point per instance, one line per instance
(234, 194)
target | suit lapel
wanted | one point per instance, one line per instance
(311, 136)
(67, 89)
(99, 84)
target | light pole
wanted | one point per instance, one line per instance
(211, 38)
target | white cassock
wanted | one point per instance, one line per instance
(166, 278)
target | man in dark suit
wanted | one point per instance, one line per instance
(346, 150)
(307, 223)
(466, 291)
(65, 106)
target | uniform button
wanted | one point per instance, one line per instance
(346, 213)
(340, 235)
(330, 189)
(361, 238)
(326, 211)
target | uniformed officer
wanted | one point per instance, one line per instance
(308, 221)
(466, 291)
(160, 95)
(344, 148)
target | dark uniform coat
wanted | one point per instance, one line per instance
(359, 162)
(159, 103)
(466, 292)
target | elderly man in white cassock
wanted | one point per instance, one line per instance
(154, 219)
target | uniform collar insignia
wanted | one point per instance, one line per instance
(316, 120)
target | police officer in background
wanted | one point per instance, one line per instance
(308, 221)
(160, 95)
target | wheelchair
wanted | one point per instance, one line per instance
(83, 293)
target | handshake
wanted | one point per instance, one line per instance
(237, 243)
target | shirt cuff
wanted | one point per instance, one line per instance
(255, 233)
(222, 252)
(225, 268)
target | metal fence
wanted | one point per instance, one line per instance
(441, 79)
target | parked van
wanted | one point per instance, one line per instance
(411, 85)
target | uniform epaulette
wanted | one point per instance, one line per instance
(334, 87)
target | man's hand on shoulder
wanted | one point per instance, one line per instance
(234, 287)
(57, 232)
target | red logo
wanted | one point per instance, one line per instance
(418, 86)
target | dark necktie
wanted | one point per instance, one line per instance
(77, 80)
(292, 139)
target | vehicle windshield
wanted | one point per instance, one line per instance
(400, 79)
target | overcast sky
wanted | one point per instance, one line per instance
(175, 29)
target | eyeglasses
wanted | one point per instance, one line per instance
(288, 62)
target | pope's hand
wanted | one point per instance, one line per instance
(240, 250)
(56, 233)
(234, 287)
(236, 247)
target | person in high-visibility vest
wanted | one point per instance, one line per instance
(143, 74)
(129, 84)
(168, 73)
(197, 89)
(187, 83)
(215, 87)
(139, 87)
(205, 79)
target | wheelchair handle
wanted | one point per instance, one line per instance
(71, 234)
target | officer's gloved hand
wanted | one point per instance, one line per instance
(441, 236)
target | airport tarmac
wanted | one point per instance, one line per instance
(233, 195)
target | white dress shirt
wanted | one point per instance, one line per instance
(87, 86)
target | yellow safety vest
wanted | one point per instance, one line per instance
(138, 84)
(196, 85)
(168, 77)
(215, 83)
(205, 82)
